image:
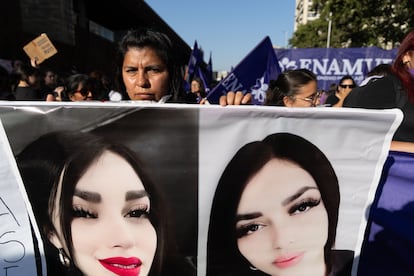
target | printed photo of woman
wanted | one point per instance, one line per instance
(98, 211)
(275, 212)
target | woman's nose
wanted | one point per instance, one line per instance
(142, 79)
(282, 237)
(118, 233)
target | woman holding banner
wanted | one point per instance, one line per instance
(293, 88)
(387, 243)
(275, 211)
(148, 71)
(98, 211)
(396, 90)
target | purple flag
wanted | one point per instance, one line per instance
(194, 68)
(252, 74)
(210, 69)
(193, 61)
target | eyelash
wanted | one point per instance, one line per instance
(139, 212)
(79, 212)
(247, 229)
(305, 205)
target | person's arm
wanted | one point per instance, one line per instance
(402, 146)
(341, 97)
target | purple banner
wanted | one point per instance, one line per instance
(331, 64)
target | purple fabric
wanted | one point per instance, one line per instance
(389, 239)
(195, 59)
(251, 74)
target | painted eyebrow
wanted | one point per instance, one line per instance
(131, 195)
(285, 202)
(88, 196)
(296, 195)
(248, 216)
(96, 197)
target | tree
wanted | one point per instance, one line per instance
(357, 23)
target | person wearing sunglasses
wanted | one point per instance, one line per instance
(293, 88)
(345, 86)
(77, 88)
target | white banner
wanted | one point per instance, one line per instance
(187, 147)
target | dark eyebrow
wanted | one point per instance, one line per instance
(248, 216)
(88, 196)
(300, 192)
(130, 67)
(96, 197)
(131, 195)
(285, 202)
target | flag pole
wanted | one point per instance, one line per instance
(328, 39)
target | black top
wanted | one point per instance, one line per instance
(384, 93)
(26, 94)
(332, 100)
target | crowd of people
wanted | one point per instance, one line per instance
(147, 71)
(67, 164)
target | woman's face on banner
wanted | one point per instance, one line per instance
(111, 231)
(282, 223)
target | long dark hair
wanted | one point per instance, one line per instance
(70, 154)
(223, 256)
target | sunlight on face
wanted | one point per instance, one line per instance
(111, 230)
(145, 75)
(304, 96)
(282, 223)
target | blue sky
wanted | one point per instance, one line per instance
(229, 29)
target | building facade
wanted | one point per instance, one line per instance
(304, 13)
(85, 32)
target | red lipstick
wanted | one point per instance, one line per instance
(122, 266)
(288, 260)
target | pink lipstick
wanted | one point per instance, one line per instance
(288, 260)
(122, 266)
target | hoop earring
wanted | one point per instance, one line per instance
(252, 268)
(63, 258)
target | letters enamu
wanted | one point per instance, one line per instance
(335, 66)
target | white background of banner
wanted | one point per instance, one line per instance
(16, 246)
(355, 141)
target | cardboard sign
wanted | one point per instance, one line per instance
(40, 49)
